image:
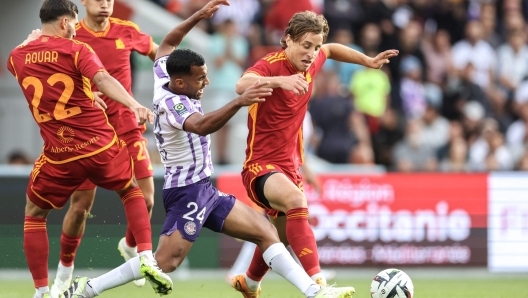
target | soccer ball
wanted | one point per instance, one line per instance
(391, 283)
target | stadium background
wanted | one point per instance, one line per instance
(430, 174)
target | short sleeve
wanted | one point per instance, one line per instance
(178, 109)
(261, 67)
(141, 42)
(87, 62)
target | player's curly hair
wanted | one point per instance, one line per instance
(180, 62)
(51, 10)
(305, 22)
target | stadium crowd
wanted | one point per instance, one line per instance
(455, 99)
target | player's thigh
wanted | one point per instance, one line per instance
(147, 188)
(83, 199)
(172, 250)
(113, 168)
(244, 222)
(51, 185)
(282, 194)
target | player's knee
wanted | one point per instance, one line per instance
(296, 200)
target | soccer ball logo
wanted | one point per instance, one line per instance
(391, 283)
(190, 228)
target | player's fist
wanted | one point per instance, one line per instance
(295, 83)
(255, 93)
(142, 114)
(210, 8)
(382, 58)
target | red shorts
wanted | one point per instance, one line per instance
(51, 185)
(137, 148)
(254, 170)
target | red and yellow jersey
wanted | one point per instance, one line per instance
(55, 75)
(114, 46)
(275, 126)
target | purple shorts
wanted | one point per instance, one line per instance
(191, 207)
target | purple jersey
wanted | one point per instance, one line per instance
(186, 156)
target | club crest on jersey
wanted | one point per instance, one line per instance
(308, 78)
(190, 228)
(180, 109)
(119, 44)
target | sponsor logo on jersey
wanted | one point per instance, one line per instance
(65, 134)
(190, 228)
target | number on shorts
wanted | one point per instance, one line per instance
(200, 216)
(142, 154)
(60, 112)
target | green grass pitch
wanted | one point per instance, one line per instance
(424, 288)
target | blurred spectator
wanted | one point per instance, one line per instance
(461, 90)
(410, 155)
(391, 130)
(370, 38)
(451, 16)
(435, 131)
(513, 61)
(240, 12)
(408, 45)
(344, 70)
(456, 159)
(370, 89)
(488, 152)
(343, 14)
(278, 16)
(488, 18)
(412, 90)
(18, 157)
(229, 51)
(517, 134)
(476, 51)
(332, 113)
(437, 53)
(473, 115)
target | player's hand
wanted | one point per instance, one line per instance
(142, 114)
(210, 8)
(32, 36)
(99, 102)
(382, 58)
(255, 93)
(295, 83)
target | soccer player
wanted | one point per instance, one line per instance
(274, 150)
(54, 73)
(182, 136)
(113, 40)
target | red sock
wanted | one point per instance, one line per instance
(68, 246)
(258, 267)
(129, 237)
(138, 218)
(36, 248)
(302, 240)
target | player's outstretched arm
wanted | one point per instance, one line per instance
(114, 90)
(213, 121)
(176, 35)
(295, 83)
(343, 53)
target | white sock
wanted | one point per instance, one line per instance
(319, 275)
(130, 250)
(42, 290)
(279, 260)
(147, 253)
(121, 275)
(253, 285)
(63, 272)
(244, 259)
